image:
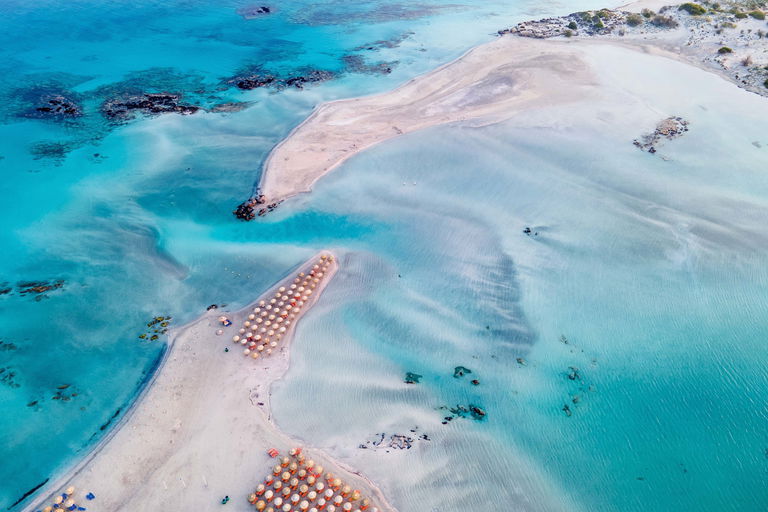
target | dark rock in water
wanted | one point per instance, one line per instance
(313, 76)
(125, 107)
(412, 378)
(477, 412)
(573, 373)
(248, 83)
(38, 288)
(393, 441)
(6, 346)
(260, 78)
(247, 210)
(521, 361)
(460, 371)
(254, 11)
(212, 306)
(8, 377)
(475, 382)
(56, 106)
(669, 128)
(28, 493)
(567, 410)
(5, 289)
(469, 411)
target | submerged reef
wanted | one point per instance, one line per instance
(38, 289)
(358, 64)
(325, 14)
(56, 105)
(392, 42)
(124, 108)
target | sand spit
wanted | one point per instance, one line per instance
(533, 64)
(488, 84)
(202, 428)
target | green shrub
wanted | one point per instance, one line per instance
(728, 24)
(634, 20)
(599, 24)
(603, 13)
(647, 13)
(724, 50)
(758, 15)
(568, 32)
(765, 83)
(740, 15)
(664, 21)
(693, 9)
(572, 25)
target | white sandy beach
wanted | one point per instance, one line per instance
(200, 431)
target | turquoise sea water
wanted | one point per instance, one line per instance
(655, 276)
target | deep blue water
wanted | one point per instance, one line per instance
(135, 221)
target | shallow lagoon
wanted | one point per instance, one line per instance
(144, 229)
(647, 276)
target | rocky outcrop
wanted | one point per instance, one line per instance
(588, 23)
(258, 79)
(257, 205)
(254, 11)
(669, 128)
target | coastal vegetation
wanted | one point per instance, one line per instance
(664, 21)
(693, 9)
(707, 28)
(634, 20)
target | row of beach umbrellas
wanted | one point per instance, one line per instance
(298, 484)
(270, 321)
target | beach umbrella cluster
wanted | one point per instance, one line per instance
(65, 501)
(298, 484)
(268, 324)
